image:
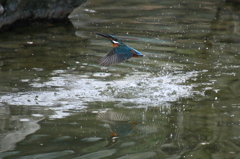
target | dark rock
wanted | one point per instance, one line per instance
(238, 1)
(13, 10)
(1, 9)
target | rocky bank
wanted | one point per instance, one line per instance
(14, 10)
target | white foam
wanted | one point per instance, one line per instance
(24, 119)
(141, 89)
(101, 74)
(37, 115)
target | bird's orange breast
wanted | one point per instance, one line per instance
(115, 45)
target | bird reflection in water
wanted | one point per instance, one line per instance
(120, 125)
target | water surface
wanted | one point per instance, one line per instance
(181, 100)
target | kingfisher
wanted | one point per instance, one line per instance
(120, 52)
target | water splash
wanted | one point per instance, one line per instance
(73, 91)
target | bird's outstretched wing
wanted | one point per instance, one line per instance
(113, 58)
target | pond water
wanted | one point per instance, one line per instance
(181, 100)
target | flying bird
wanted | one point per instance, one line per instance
(119, 53)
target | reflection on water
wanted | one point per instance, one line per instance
(120, 125)
(14, 128)
(180, 101)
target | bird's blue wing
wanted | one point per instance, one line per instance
(115, 56)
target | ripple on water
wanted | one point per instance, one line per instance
(91, 139)
(98, 154)
(49, 155)
(142, 155)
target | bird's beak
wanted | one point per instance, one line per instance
(138, 53)
(104, 35)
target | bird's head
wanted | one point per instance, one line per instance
(113, 40)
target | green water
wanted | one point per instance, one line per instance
(181, 100)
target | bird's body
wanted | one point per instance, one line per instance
(119, 53)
